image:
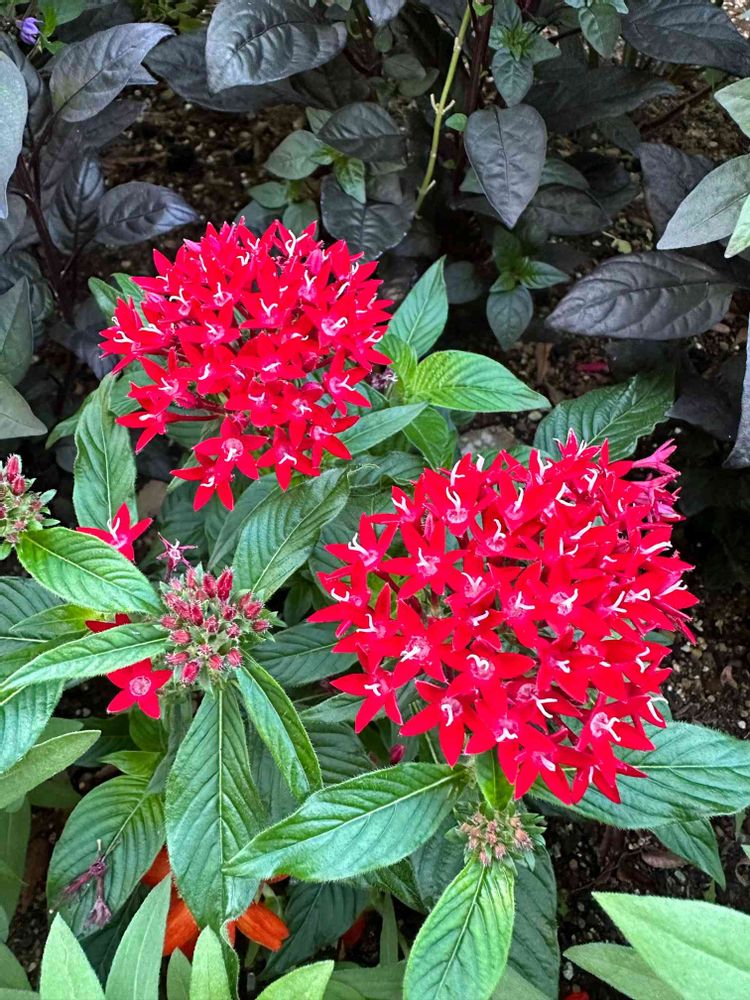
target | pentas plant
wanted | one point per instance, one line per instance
(263, 338)
(208, 625)
(522, 601)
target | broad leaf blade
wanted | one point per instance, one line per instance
(212, 809)
(83, 569)
(619, 414)
(462, 947)
(281, 729)
(359, 825)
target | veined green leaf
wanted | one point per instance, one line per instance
(129, 824)
(208, 980)
(104, 469)
(462, 947)
(66, 971)
(281, 532)
(95, 654)
(302, 654)
(281, 729)
(622, 968)
(212, 810)
(307, 983)
(135, 969)
(41, 762)
(372, 428)
(463, 381)
(358, 825)
(619, 414)
(421, 317)
(697, 948)
(85, 570)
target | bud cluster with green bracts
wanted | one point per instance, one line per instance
(21, 508)
(209, 625)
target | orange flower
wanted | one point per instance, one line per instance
(258, 922)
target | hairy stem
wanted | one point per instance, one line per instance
(441, 107)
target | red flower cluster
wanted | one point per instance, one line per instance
(522, 599)
(265, 336)
(139, 683)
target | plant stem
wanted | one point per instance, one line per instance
(441, 107)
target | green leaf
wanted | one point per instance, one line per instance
(600, 24)
(317, 914)
(462, 947)
(509, 313)
(281, 729)
(513, 985)
(95, 654)
(12, 974)
(350, 173)
(695, 841)
(105, 296)
(711, 210)
(534, 951)
(104, 469)
(463, 381)
(179, 973)
(434, 437)
(538, 274)
(307, 983)
(379, 982)
(692, 771)
(58, 622)
(135, 969)
(15, 828)
(741, 233)
(16, 418)
(85, 570)
(494, 786)
(66, 971)
(254, 495)
(513, 75)
(623, 969)
(212, 810)
(365, 823)
(281, 532)
(620, 414)
(735, 99)
(421, 317)
(129, 824)
(697, 948)
(41, 762)
(14, 105)
(23, 716)
(377, 426)
(303, 654)
(297, 156)
(402, 355)
(20, 599)
(16, 334)
(208, 980)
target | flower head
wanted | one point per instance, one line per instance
(120, 533)
(20, 507)
(139, 683)
(523, 607)
(267, 339)
(29, 29)
(207, 623)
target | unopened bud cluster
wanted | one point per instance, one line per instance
(207, 623)
(20, 507)
(504, 837)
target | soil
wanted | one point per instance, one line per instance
(213, 160)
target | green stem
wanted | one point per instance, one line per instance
(441, 107)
